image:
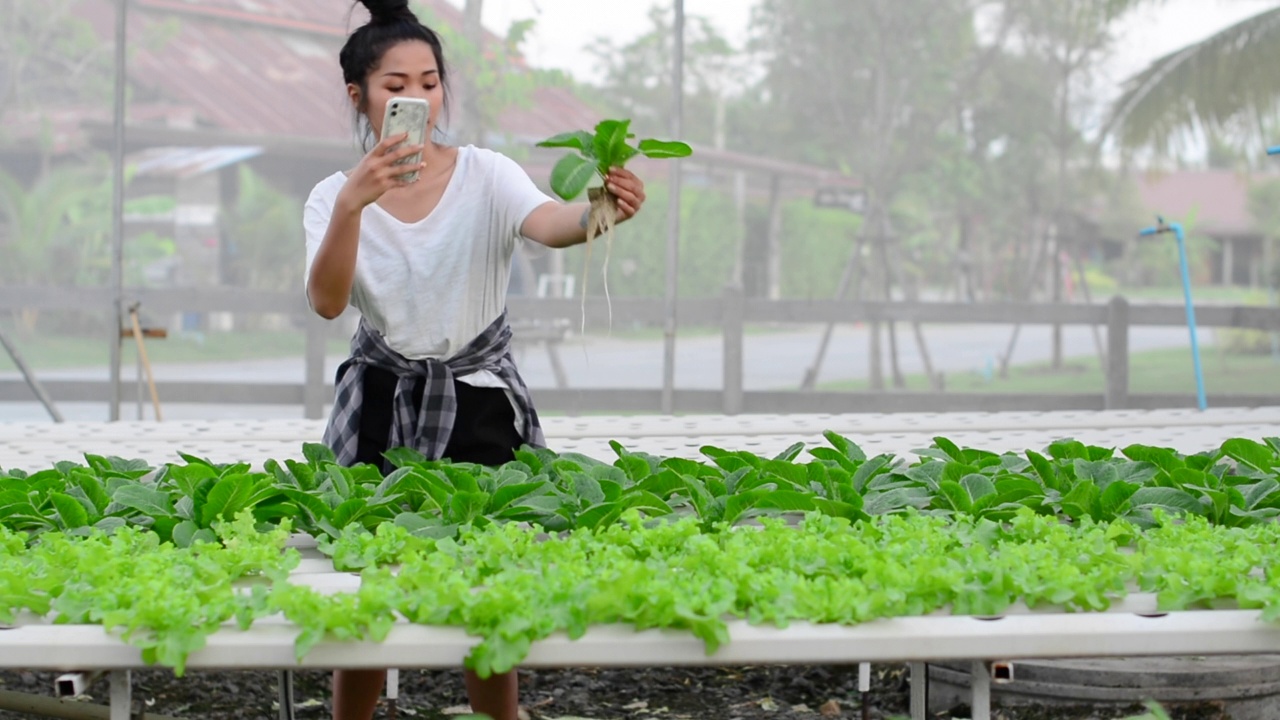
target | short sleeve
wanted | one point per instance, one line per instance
(515, 196)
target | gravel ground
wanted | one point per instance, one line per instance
(753, 693)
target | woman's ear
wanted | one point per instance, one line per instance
(353, 92)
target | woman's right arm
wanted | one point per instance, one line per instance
(333, 269)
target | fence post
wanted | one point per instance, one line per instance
(1117, 368)
(733, 310)
(313, 391)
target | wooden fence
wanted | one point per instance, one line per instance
(732, 312)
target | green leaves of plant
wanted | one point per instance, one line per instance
(661, 150)
(1252, 454)
(577, 140)
(571, 175)
(597, 153)
(609, 146)
(1236, 486)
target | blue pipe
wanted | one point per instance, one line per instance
(1273, 150)
(1176, 229)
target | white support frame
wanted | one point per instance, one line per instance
(979, 690)
(121, 695)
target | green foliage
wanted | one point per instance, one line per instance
(78, 581)
(490, 77)
(1212, 85)
(597, 154)
(57, 231)
(1249, 342)
(636, 76)
(49, 53)
(264, 236)
(1156, 260)
(674, 574)
(708, 244)
(960, 530)
(817, 244)
(1237, 485)
(1264, 206)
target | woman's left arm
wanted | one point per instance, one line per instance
(560, 226)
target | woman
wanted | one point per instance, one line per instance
(427, 265)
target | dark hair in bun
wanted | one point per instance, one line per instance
(384, 12)
(391, 22)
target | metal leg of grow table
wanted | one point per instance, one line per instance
(393, 692)
(864, 689)
(919, 691)
(121, 695)
(980, 691)
(285, 683)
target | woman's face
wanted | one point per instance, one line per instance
(408, 69)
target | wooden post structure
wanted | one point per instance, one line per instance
(734, 310)
(1117, 393)
(1055, 282)
(136, 331)
(313, 394)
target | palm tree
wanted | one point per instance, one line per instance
(1229, 78)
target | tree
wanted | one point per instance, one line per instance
(49, 53)
(637, 76)
(488, 77)
(871, 88)
(264, 235)
(56, 232)
(1225, 83)
(1072, 37)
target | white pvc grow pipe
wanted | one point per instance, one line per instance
(270, 643)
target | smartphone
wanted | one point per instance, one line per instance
(407, 115)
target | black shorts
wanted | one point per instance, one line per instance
(484, 431)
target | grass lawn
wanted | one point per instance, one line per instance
(1157, 371)
(1210, 294)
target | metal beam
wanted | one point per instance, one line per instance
(673, 217)
(117, 204)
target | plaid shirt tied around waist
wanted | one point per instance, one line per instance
(428, 429)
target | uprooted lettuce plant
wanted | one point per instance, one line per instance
(597, 153)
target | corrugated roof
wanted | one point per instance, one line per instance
(183, 162)
(271, 67)
(267, 71)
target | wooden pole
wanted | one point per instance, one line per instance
(732, 322)
(142, 358)
(1117, 396)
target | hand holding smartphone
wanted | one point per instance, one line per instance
(407, 115)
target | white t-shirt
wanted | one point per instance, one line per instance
(433, 286)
